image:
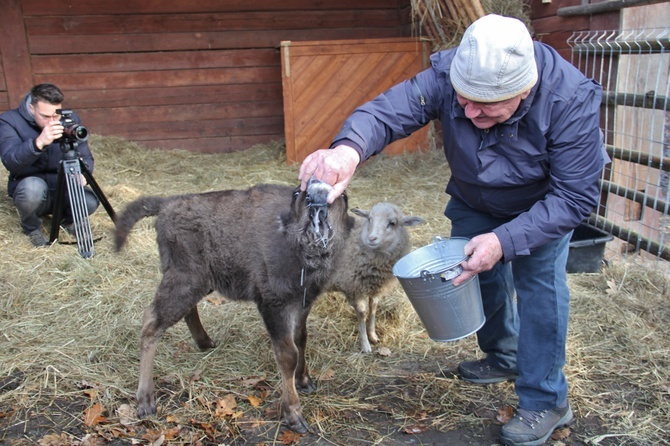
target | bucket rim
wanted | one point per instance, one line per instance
(436, 239)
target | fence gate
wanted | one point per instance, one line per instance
(633, 67)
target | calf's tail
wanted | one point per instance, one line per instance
(134, 212)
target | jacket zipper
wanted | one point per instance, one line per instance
(422, 100)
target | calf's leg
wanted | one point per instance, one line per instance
(172, 302)
(198, 333)
(303, 381)
(281, 326)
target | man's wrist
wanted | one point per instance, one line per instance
(35, 146)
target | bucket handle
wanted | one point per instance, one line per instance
(447, 275)
(444, 276)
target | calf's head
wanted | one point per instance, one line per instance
(317, 225)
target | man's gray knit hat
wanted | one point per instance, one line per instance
(495, 60)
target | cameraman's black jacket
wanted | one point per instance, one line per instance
(18, 131)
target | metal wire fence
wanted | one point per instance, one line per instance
(633, 66)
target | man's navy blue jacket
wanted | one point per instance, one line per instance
(539, 170)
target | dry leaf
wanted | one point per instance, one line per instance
(92, 440)
(254, 400)
(172, 433)
(225, 406)
(384, 351)
(92, 393)
(415, 429)
(127, 415)
(54, 440)
(172, 419)
(195, 376)
(561, 434)
(290, 437)
(152, 435)
(93, 415)
(327, 375)
(505, 414)
(215, 299)
(611, 287)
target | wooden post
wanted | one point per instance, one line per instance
(14, 49)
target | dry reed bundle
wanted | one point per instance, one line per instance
(443, 21)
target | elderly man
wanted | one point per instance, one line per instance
(30, 150)
(520, 127)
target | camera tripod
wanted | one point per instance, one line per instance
(70, 172)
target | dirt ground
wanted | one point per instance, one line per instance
(58, 422)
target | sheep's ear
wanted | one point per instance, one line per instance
(360, 212)
(412, 221)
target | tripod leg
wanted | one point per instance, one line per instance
(82, 224)
(58, 206)
(98, 191)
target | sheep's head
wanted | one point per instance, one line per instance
(383, 227)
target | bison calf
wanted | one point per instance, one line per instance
(270, 244)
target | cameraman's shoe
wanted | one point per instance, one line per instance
(481, 372)
(533, 427)
(69, 228)
(37, 238)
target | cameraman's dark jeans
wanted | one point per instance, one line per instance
(34, 200)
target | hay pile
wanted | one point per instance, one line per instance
(70, 330)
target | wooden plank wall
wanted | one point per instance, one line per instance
(555, 31)
(203, 75)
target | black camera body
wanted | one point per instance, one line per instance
(72, 131)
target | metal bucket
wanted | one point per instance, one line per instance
(448, 312)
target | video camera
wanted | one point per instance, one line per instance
(72, 131)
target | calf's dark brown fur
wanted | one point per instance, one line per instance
(270, 244)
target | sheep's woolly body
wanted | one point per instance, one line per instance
(377, 241)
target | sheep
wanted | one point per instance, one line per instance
(270, 244)
(376, 242)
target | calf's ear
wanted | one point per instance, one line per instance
(360, 212)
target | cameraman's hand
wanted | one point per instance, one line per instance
(50, 133)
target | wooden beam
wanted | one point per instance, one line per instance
(608, 6)
(651, 101)
(643, 159)
(631, 237)
(14, 51)
(635, 195)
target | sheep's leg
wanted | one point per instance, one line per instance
(304, 382)
(372, 319)
(360, 306)
(198, 333)
(281, 327)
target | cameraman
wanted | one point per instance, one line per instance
(31, 152)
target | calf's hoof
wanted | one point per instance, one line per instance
(308, 387)
(146, 407)
(205, 344)
(297, 424)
